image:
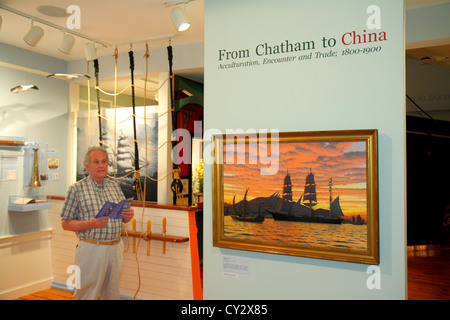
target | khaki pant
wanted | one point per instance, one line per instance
(100, 269)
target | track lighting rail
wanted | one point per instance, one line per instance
(176, 2)
(80, 35)
(36, 19)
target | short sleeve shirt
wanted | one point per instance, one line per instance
(84, 200)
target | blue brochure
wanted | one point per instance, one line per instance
(113, 210)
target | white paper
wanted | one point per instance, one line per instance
(235, 265)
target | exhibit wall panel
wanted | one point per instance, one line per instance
(309, 66)
(40, 115)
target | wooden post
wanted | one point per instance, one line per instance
(164, 222)
(133, 222)
(195, 263)
(149, 228)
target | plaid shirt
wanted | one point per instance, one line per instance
(84, 200)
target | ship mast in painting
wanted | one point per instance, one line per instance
(310, 190)
(287, 188)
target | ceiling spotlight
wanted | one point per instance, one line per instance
(34, 35)
(180, 20)
(90, 51)
(66, 43)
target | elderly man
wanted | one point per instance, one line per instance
(99, 253)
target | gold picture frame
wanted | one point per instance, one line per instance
(325, 165)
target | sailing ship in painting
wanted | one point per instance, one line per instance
(122, 159)
(283, 207)
(122, 164)
(303, 209)
(245, 211)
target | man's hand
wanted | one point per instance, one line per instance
(80, 225)
(127, 214)
(99, 223)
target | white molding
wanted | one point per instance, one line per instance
(25, 289)
(24, 237)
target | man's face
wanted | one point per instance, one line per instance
(97, 166)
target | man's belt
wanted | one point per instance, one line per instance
(103, 243)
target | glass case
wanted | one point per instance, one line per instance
(33, 199)
(22, 169)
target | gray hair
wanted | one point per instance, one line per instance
(95, 148)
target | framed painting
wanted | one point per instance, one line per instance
(308, 194)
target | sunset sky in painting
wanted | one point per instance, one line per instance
(344, 162)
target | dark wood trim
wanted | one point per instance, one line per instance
(143, 204)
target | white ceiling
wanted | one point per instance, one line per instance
(115, 22)
(110, 21)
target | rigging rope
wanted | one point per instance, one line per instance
(116, 56)
(142, 88)
(137, 185)
(146, 56)
(96, 68)
(141, 194)
(174, 119)
(176, 186)
(89, 104)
